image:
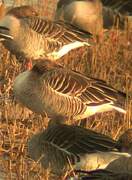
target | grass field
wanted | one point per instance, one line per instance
(111, 60)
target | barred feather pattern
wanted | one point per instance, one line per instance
(59, 91)
(29, 43)
(62, 145)
(57, 30)
(62, 105)
(34, 37)
(74, 84)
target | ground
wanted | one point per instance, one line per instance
(110, 60)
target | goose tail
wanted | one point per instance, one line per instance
(119, 109)
(119, 105)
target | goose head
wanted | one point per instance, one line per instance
(10, 23)
(23, 11)
(42, 67)
(125, 141)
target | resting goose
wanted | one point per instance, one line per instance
(93, 15)
(20, 12)
(86, 14)
(120, 168)
(23, 11)
(60, 92)
(61, 147)
(33, 37)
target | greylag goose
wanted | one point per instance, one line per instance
(124, 142)
(60, 92)
(93, 15)
(61, 147)
(23, 11)
(120, 168)
(85, 14)
(123, 164)
(33, 37)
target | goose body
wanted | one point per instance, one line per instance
(85, 14)
(120, 168)
(22, 11)
(34, 37)
(61, 147)
(123, 164)
(94, 15)
(58, 91)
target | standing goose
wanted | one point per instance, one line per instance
(61, 147)
(60, 92)
(86, 14)
(32, 37)
(21, 12)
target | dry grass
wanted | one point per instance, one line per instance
(111, 61)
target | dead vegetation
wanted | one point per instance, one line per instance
(111, 60)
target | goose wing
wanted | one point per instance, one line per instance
(102, 174)
(62, 144)
(57, 30)
(75, 84)
(78, 140)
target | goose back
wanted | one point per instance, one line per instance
(63, 92)
(34, 37)
(87, 15)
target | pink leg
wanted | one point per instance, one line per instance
(27, 65)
